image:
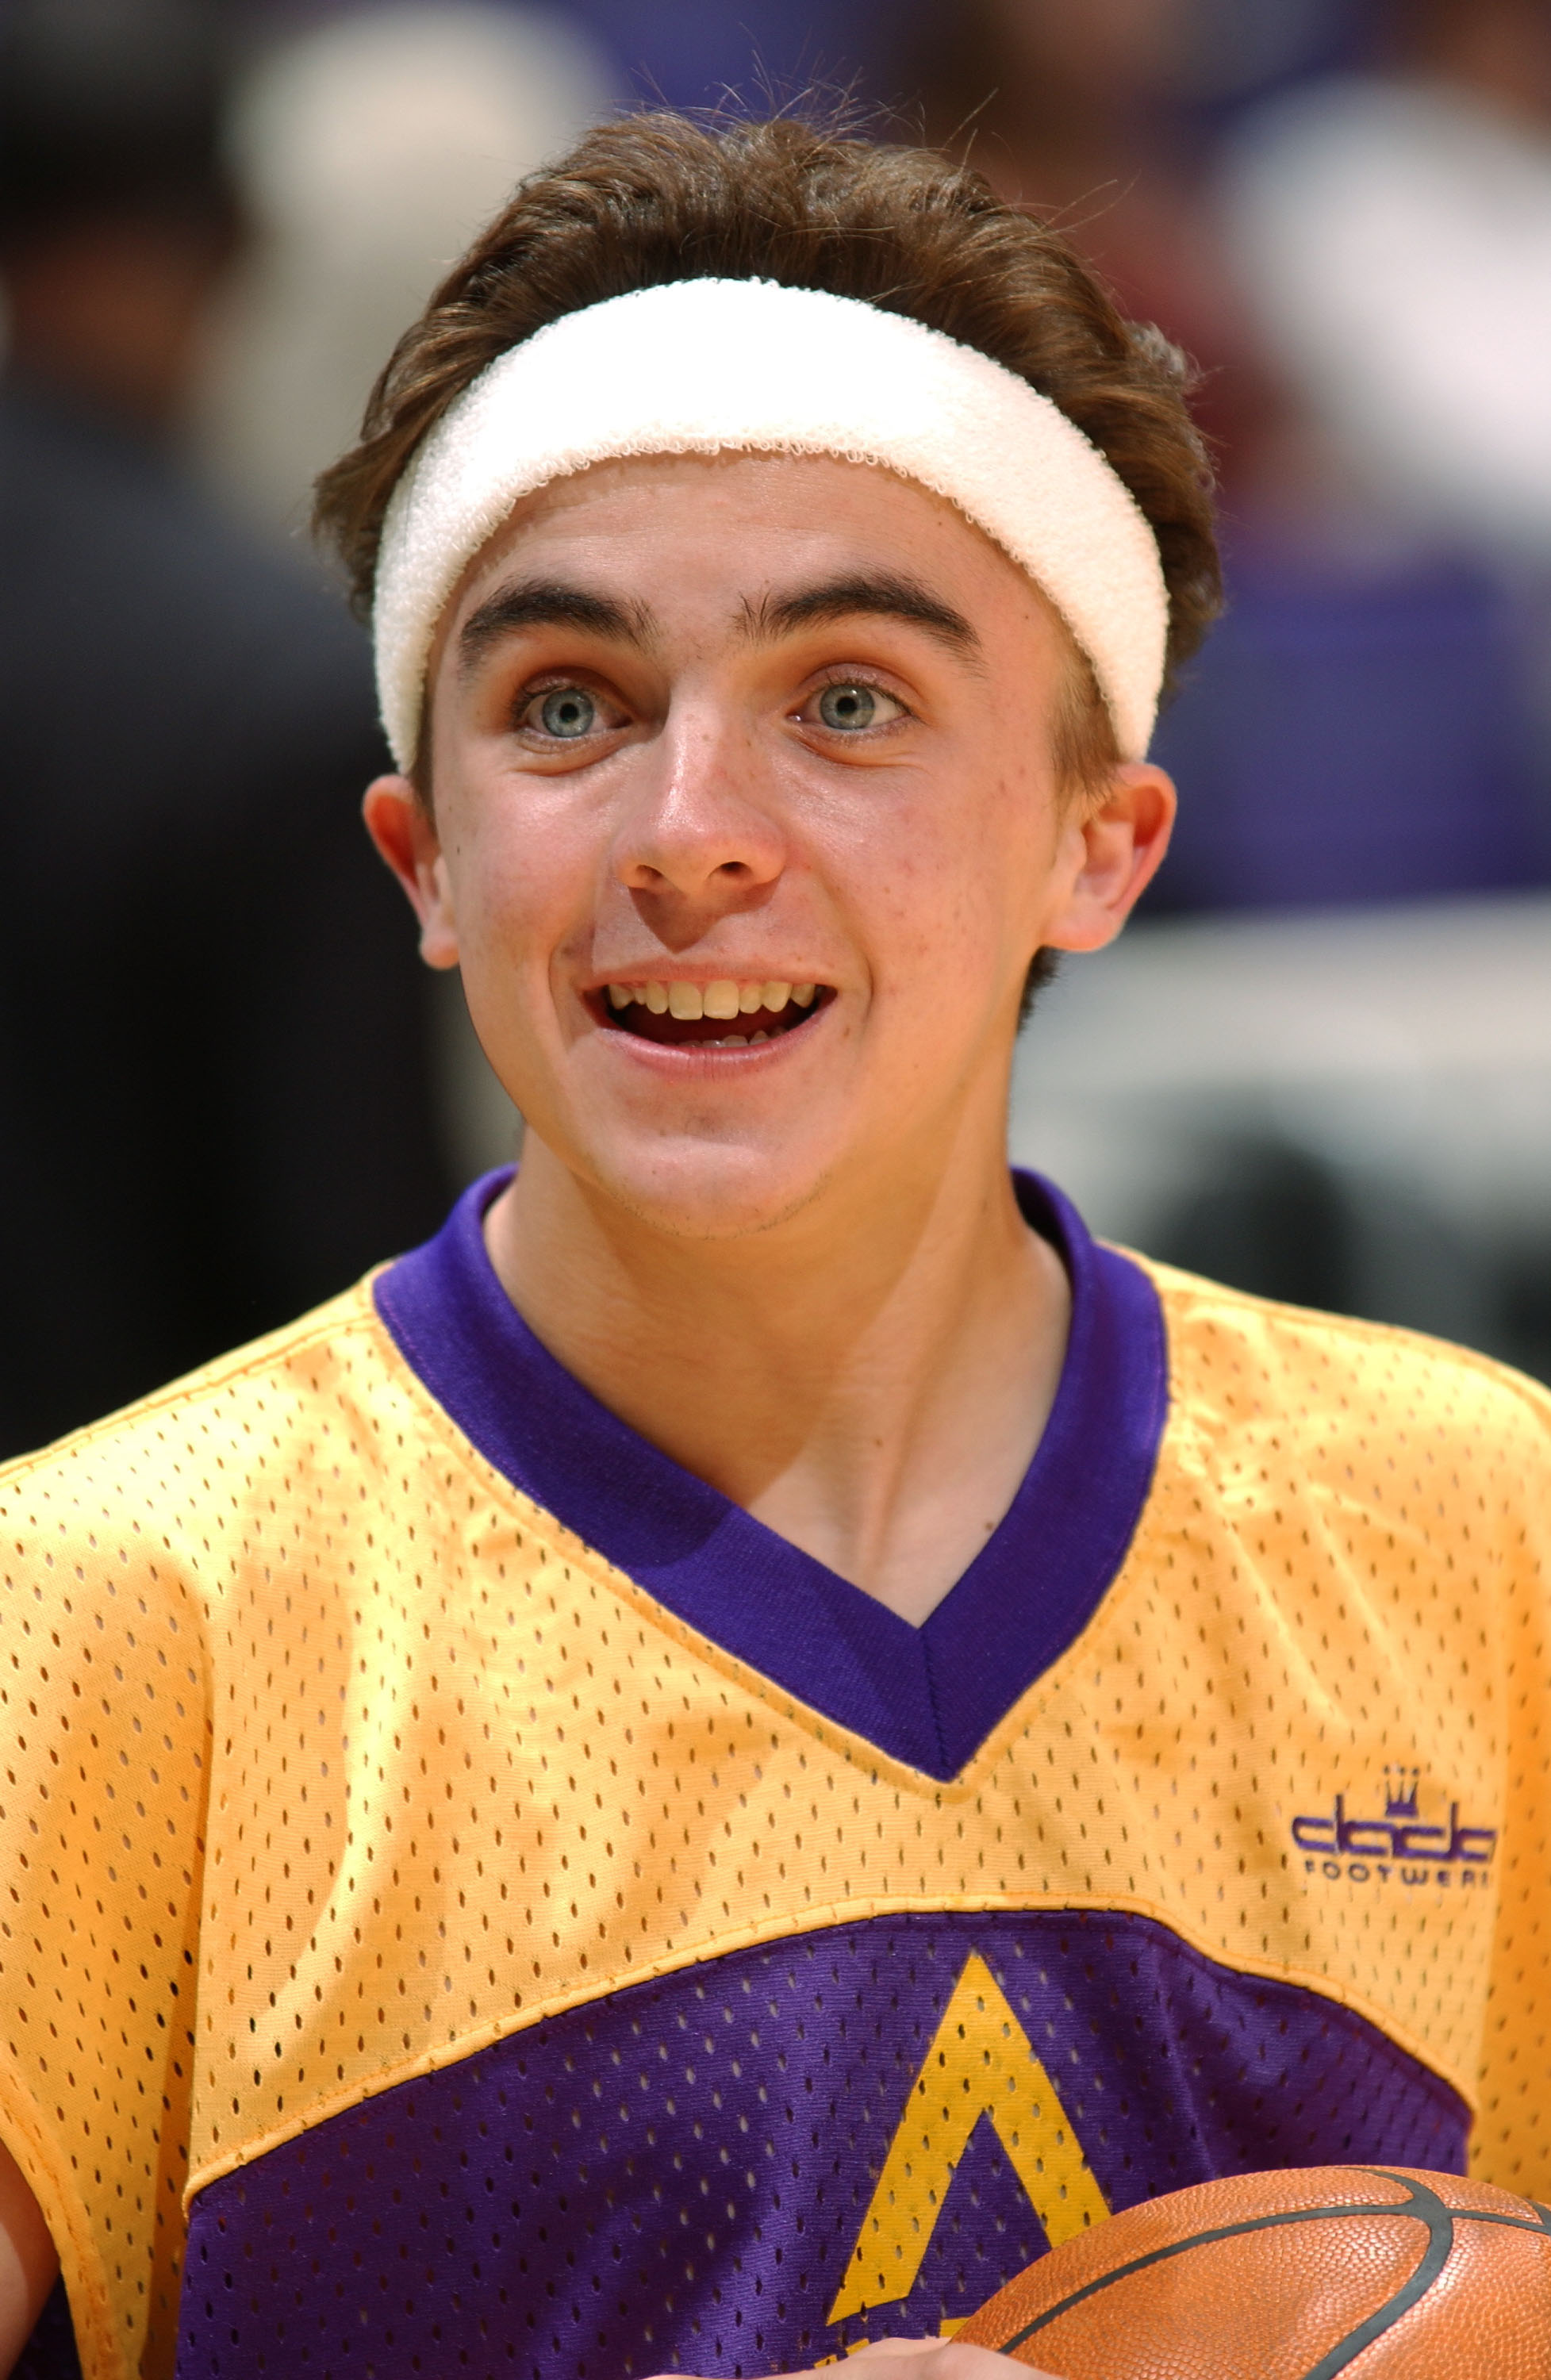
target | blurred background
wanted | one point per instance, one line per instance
(1319, 1065)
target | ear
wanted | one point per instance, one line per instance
(405, 834)
(1117, 847)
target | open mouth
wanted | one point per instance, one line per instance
(722, 1015)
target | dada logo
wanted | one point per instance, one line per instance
(980, 2062)
(1397, 1844)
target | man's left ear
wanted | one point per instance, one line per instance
(1118, 840)
(405, 832)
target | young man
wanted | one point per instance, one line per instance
(702, 1767)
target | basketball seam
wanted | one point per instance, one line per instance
(1346, 2350)
(1429, 2208)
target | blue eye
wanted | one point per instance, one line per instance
(848, 707)
(568, 713)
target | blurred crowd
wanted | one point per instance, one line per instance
(1343, 215)
(225, 1087)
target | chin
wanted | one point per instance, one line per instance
(699, 1190)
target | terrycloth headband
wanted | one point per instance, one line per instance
(701, 366)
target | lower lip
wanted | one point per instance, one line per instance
(702, 1062)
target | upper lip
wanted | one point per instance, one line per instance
(778, 972)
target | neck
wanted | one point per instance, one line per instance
(870, 1378)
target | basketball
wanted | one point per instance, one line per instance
(1386, 2273)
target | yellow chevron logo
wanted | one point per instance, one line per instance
(980, 2063)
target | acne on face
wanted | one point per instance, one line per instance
(684, 780)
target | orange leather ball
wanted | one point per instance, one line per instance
(1382, 2273)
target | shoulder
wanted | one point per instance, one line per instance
(1353, 1398)
(155, 1492)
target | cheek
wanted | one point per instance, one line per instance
(958, 896)
(516, 880)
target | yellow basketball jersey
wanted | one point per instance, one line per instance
(433, 1940)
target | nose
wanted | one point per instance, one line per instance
(698, 832)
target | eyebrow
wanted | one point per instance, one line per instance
(885, 595)
(549, 603)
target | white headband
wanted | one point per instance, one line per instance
(701, 366)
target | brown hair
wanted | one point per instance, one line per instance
(659, 197)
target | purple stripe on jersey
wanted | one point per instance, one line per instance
(674, 2177)
(929, 1695)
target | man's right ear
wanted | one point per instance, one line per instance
(405, 832)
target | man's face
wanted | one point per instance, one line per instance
(706, 728)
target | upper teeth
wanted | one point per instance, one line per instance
(723, 998)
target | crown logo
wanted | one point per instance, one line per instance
(1399, 1791)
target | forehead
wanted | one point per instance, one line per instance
(709, 529)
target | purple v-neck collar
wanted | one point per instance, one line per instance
(930, 1695)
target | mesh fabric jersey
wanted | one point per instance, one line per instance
(478, 1901)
